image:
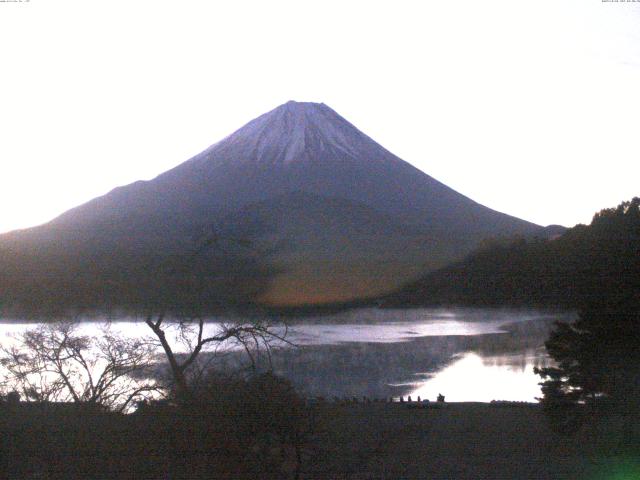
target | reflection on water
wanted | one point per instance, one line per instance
(482, 379)
(465, 354)
(387, 332)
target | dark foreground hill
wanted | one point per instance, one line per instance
(358, 441)
(583, 266)
(323, 214)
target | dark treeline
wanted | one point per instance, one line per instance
(573, 270)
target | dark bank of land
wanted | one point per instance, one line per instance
(583, 265)
(355, 441)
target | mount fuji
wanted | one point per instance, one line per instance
(325, 215)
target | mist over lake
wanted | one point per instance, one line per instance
(465, 354)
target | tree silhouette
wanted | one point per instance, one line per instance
(597, 364)
(54, 362)
(177, 315)
(184, 340)
(598, 356)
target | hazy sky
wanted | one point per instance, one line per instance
(529, 107)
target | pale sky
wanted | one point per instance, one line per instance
(529, 107)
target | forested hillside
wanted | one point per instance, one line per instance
(572, 270)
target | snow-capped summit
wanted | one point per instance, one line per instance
(293, 132)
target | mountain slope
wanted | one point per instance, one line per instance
(331, 214)
(335, 250)
(301, 147)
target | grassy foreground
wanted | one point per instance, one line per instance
(355, 441)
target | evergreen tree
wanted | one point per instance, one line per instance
(598, 356)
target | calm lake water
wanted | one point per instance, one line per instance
(465, 354)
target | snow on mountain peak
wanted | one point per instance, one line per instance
(294, 132)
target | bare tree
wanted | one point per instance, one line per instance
(184, 341)
(54, 362)
(187, 335)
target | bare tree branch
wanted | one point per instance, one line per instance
(54, 363)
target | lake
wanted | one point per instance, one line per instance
(465, 354)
